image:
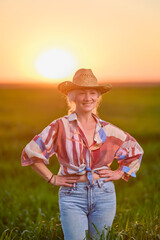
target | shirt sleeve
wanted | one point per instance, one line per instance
(129, 157)
(41, 147)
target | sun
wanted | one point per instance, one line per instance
(55, 63)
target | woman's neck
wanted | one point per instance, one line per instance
(85, 118)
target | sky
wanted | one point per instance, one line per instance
(118, 40)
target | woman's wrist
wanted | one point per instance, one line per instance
(120, 172)
(52, 180)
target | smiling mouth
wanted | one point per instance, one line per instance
(88, 103)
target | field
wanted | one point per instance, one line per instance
(29, 206)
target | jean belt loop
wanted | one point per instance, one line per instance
(99, 183)
(74, 186)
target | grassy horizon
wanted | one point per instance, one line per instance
(114, 83)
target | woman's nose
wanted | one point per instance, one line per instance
(87, 96)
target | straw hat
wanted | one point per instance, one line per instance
(83, 78)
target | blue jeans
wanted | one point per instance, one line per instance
(83, 206)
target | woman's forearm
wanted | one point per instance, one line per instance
(42, 170)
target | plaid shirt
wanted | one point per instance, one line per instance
(65, 138)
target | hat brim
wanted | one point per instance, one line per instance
(67, 86)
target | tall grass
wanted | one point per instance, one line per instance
(29, 206)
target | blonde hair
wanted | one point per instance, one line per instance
(72, 105)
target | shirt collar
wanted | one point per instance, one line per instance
(73, 116)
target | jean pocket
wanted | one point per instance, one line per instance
(108, 187)
(66, 191)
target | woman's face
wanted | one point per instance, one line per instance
(86, 100)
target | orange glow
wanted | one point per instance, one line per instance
(121, 48)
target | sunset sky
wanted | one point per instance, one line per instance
(118, 40)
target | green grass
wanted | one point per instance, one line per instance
(29, 206)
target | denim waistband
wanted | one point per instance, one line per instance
(97, 182)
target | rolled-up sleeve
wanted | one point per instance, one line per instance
(129, 157)
(41, 147)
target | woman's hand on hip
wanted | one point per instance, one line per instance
(65, 180)
(110, 175)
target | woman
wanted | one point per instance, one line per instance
(85, 147)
